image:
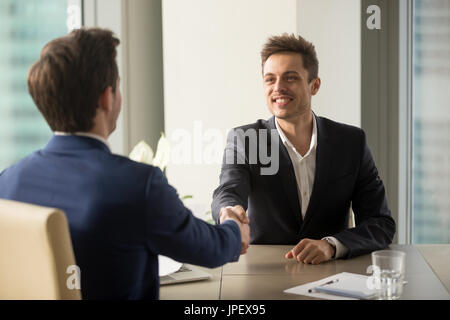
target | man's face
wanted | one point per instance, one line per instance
(288, 93)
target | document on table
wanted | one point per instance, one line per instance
(341, 286)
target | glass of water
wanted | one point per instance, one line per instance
(388, 273)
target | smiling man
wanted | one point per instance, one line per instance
(324, 168)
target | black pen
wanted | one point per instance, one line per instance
(324, 284)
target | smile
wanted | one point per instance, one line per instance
(282, 100)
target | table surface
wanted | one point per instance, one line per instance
(263, 274)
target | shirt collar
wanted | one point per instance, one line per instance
(84, 134)
(313, 143)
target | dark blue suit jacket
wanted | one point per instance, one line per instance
(345, 175)
(121, 215)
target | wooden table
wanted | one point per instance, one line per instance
(263, 273)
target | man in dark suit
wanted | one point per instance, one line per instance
(317, 169)
(121, 213)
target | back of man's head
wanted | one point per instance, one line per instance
(71, 74)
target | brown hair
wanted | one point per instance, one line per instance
(292, 43)
(71, 74)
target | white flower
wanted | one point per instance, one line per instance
(162, 156)
(142, 152)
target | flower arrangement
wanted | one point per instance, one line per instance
(142, 152)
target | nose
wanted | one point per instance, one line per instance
(279, 87)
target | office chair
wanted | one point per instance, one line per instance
(35, 254)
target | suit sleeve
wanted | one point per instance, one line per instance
(234, 185)
(173, 231)
(375, 227)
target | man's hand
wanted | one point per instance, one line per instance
(235, 214)
(237, 211)
(311, 251)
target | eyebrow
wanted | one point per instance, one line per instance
(287, 72)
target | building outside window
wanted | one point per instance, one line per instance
(25, 27)
(431, 122)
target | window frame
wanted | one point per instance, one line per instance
(386, 104)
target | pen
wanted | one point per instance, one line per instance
(324, 284)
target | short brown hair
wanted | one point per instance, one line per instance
(70, 75)
(292, 43)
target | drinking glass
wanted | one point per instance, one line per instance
(389, 273)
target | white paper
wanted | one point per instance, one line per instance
(347, 281)
(167, 266)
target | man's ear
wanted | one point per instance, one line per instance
(315, 85)
(105, 101)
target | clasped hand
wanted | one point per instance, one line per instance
(237, 213)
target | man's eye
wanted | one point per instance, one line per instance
(291, 78)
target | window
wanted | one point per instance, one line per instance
(25, 26)
(431, 122)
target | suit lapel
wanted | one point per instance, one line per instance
(323, 162)
(286, 176)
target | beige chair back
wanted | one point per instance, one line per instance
(35, 253)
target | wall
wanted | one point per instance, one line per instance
(334, 28)
(145, 72)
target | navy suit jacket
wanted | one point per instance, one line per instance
(121, 215)
(345, 175)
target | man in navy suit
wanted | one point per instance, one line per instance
(121, 213)
(318, 168)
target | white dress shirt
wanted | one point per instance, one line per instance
(84, 134)
(304, 169)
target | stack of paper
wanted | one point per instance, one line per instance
(342, 286)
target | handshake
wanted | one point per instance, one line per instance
(237, 213)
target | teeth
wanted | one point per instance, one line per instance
(281, 100)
